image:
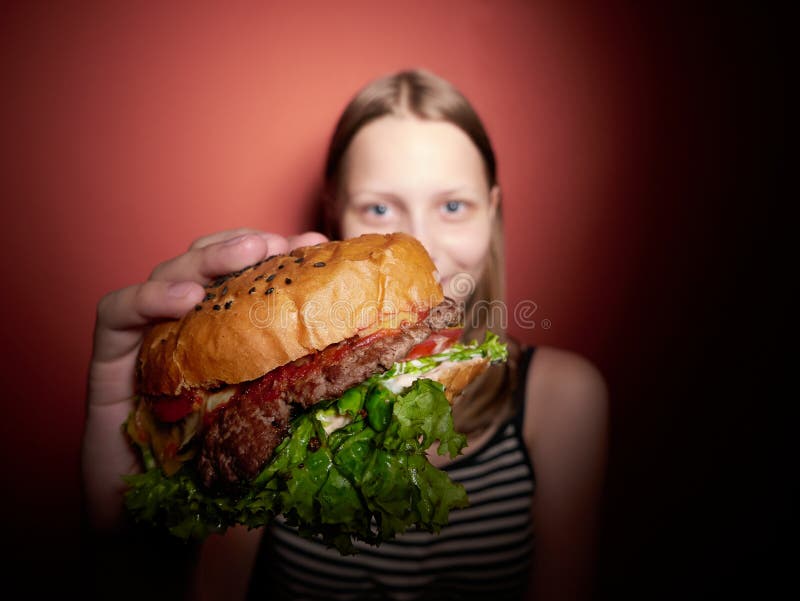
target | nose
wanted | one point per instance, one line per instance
(422, 232)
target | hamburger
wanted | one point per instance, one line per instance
(309, 385)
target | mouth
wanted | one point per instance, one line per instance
(459, 285)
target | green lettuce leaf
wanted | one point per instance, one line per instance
(351, 482)
(491, 348)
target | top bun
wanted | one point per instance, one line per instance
(288, 306)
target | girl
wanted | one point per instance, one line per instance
(408, 154)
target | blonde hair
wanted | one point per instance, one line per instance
(426, 96)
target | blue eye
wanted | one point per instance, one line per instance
(453, 206)
(378, 209)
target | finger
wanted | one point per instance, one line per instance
(122, 315)
(306, 239)
(222, 237)
(204, 264)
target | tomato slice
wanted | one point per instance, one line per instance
(435, 343)
(452, 333)
(423, 349)
(174, 408)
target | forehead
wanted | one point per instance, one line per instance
(400, 152)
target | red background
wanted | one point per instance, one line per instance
(625, 142)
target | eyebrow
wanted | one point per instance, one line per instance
(386, 195)
(393, 196)
(449, 191)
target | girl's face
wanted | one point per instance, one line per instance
(425, 178)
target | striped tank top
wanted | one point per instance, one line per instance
(483, 553)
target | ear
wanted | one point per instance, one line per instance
(495, 197)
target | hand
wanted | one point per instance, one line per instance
(172, 289)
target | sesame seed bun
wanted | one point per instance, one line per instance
(286, 307)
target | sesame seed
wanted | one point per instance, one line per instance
(299, 259)
(224, 291)
(281, 266)
(270, 291)
(228, 305)
(253, 289)
(216, 307)
(319, 264)
(258, 277)
(288, 280)
(271, 277)
(209, 296)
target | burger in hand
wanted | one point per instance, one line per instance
(309, 385)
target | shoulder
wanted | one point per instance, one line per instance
(566, 397)
(566, 374)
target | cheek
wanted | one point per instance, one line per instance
(464, 256)
(351, 226)
(467, 249)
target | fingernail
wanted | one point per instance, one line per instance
(180, 289)
(235, 240)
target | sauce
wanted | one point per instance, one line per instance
(270, 386)
(174, 408)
